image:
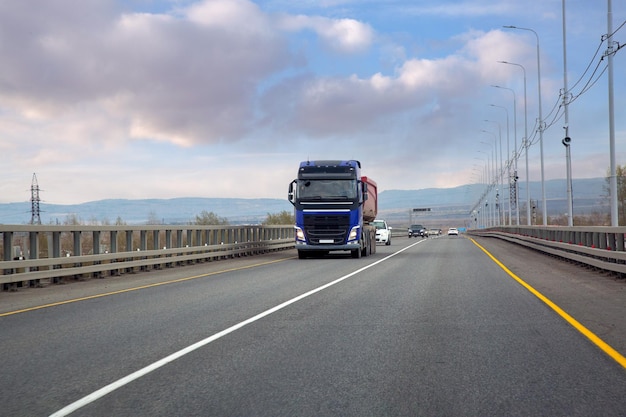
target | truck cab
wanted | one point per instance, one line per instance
(333, 205)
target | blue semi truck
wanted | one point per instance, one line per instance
(333, 206)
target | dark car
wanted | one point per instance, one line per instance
(417, 230)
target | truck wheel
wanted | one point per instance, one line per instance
(356, 253)
(301, 254)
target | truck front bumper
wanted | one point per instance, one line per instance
(327, 247)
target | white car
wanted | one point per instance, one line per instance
(383, 232)
(453, 231)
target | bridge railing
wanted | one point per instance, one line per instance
(31, 253)
(597, 246)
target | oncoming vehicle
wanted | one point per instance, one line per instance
(417, 230)
(383, 232)
(433, 232)
(333, 207)
(453, 231)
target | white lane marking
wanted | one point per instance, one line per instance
(162, 362)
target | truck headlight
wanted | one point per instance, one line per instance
(300, 234)
(354, 233)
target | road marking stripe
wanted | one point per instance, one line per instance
(142, 287)
(618, 357)
(158, 364)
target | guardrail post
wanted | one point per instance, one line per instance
(238, 239)
(76, 242)
(179, 242)
(96, 250)
(222, 238)
(113, 241)
(585, 239)
(156, 241)
(7, 245)
(611, 240)
(256, 237)
(619, 237)
(129, 247)
(190, 243)
(96, 242)
(113, 249)
(56, 245)
(179, 238)
(129, 240)
(603, 242)
(77, 250)
(143, 245)
(33, 247)
(168, 245)
(56, 253)
(143, 240)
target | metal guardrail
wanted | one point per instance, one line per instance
(57, 252)
(600, 247)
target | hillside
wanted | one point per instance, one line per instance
(448, 205)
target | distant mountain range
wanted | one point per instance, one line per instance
(396, 206)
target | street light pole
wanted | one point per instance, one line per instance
(500, 172)
(613, 167)
(567, 140)
(515, 155)
(507, 161)
(497, 171)
(485, 211)
(543, 186)
(525, 141)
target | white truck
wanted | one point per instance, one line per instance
(383, 231)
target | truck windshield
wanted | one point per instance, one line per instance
(327, 189)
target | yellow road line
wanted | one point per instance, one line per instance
(142, 287)
(571, 320)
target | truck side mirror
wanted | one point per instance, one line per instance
(291, 195)
(364, 187)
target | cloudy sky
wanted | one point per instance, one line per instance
(223, 98)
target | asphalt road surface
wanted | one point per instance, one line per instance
(431, 327)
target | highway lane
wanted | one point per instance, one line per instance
(437, 329)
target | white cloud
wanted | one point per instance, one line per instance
(341, 35)
(430, 89)
(236, 17)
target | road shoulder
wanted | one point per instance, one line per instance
(594, 298)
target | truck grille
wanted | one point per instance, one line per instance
(327, 227)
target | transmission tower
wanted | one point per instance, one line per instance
(34, 201)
